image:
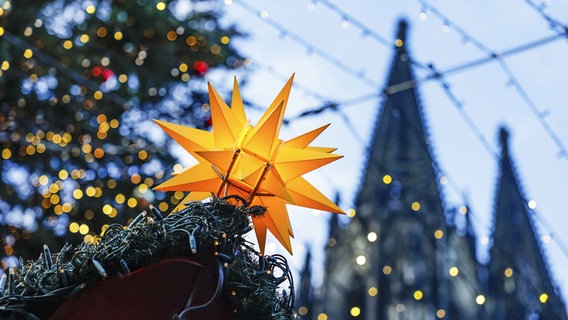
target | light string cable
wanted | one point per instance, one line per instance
(559, 27)
(500, 58)
(470, 212)
(326, 102)
(307, 44)
(487, 146)
(550, 231)
(366, 31)
(215, 228)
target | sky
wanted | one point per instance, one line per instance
(340, 52)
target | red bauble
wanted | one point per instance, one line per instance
(97, 71)
(201, 67)
(107, 73)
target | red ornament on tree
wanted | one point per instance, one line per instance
(103, 72)
(107, 73)
(201, 67)
(96, 71)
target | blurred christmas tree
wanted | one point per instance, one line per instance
(80, 82)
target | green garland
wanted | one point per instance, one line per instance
(251, 286)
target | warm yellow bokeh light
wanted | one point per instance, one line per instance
(438, 234)
(351, 212)
(161, 6)
(454, 271)
(415, 206)
(83, 229)
(28, 53)
(418, 295)
(387, 270)
(74, 227)
(132, 202)
(373, 291)
(355, 311)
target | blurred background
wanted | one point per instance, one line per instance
(80, 82)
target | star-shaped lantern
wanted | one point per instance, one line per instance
(252, 162)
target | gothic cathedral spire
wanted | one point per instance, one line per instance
(519, 279)
(385, 263)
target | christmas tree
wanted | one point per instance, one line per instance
(80, 82)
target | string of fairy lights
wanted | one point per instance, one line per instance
(310, 47)
(554, 24)
(513, 81)
(541, 116)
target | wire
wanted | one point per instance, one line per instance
(308, 45)
(561, 28)
(216, 294)
(357, 23)
(513, 80)
(499, 57)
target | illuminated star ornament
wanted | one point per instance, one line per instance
(237, 158)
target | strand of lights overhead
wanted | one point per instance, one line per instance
(554, 24)
(541, 116)
(310, 48)
(459, 106)
(353, 21)
(500, 58)
(467, 118)
(481, 138)
(282, 77)
(402, 86)
(365, 30)
(326, 103)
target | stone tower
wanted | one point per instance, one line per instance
(405, 256)
(392, 260)
(519, 280)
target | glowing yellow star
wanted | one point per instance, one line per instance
(250, 161)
